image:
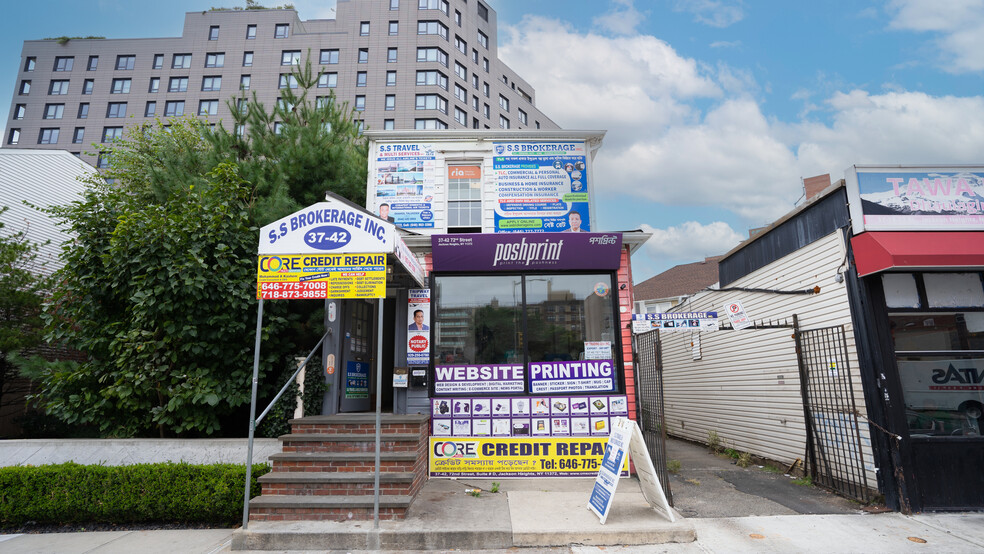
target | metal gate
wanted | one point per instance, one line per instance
(649, 403)
(833, 436)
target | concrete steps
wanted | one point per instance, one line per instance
(326, 469)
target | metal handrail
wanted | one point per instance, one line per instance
(291, 378)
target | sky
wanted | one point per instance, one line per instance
(714, 109)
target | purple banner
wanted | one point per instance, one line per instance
(586, 375)
(479, 379)
(526, 251)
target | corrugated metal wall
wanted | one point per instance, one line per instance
(745, 387)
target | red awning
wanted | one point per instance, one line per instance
(881, 250)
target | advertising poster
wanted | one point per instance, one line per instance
(540, 186)
(404, 184)
(517, 457)
(675, 321)
(418, 327)
(916, 198)
(287, 277)
(472, 379)
(357, 380)
(581, 376)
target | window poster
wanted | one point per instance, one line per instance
(405, 174)
(418, 327)
(540, 186)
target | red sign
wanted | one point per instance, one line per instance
(418, 343)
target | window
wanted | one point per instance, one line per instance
(329, 56)
(460, 44)
(208, 107)
(394, 28)
(19, 111)
(390, 102)
(278, 127)
(53, 111)
(83, 110)
(391, 78)
(485, 89)
(474, 103)
(360, 103)
(391, 55)
(14, 136)
(475, 81)
(88, 85)
(503, 102)
(251, 32)
(394, 4)
(64, 63)
(328, 80)
(433, 5)
(79, 135)
(158, 61)
(174, 108)
(503, 122)
(58, 87)
(426, 78)
(181, 61)
(474, 55)
(431, 102)
(284, 106)
(29, 63)
(25, 88)
(177, 84)
(112, 133)
(240, 130)
(486, 111)
(432, 28)
(360, 79)
(48, 136)
(461, 72)
(363, 55)
(290, 57)
(211, 83)
(483, 11)
(102, 162)
(242, 105)
(247, 59)
(460, 93)
(360, 125)
(364, 29)
(125, 62)
(483, 39)
(460, 116)
(287, 81)
(432, 55)
(120, 86)
(155, 84)
(485, 64)
(244, 82)
(213, 32)
(522, 116)
(215, 59)
(116, 109)
(464, 192)
(457, 18)
(428, 124)
(280, 30)
(322, 102)
(389, 124)
(151, 109)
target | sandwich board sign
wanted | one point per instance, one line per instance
(626, 440)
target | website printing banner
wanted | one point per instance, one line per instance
(540, 187)
(479, 379)
(517, 457)
(405, 174)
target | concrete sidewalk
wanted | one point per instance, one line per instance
(546, 517)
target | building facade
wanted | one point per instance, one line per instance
(400, 64)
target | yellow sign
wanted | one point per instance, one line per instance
(517, 456)
(321, 276)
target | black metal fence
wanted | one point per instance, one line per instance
(649, 403)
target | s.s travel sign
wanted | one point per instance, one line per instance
(327, 227)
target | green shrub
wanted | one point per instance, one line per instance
(174, 493)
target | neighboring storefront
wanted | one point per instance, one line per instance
(518, 347)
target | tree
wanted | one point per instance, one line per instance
(23, 285)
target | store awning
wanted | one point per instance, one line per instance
(879, 251)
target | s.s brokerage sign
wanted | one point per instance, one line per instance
(526, 251)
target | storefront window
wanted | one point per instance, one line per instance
(940, 355)
(564, 312)
(478, 320)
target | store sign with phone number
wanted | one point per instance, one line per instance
(285, 277)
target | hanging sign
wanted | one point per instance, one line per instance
(675, 321)
(736, 313)
(285, 277)
(418, 328)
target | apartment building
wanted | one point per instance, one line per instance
(401, 64)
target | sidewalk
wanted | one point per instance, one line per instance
(551, 519)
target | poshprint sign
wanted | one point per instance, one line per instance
(541, 186)
(404, 184)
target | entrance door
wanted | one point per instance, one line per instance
(357, 350)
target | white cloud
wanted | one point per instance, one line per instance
(622, 20)
(957, 24)
(716, 13)
(314, 9)
(691, 241)
(726, 44)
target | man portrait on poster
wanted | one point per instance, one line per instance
(418, 322)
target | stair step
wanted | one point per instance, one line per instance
(316, 502)
(348, 437)
(336, 477)
(343, 456)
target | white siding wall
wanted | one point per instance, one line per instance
(746, 385)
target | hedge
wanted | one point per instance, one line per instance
(168, 492)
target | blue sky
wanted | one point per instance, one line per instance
(715, 109)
